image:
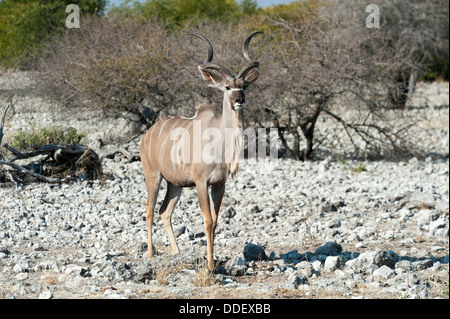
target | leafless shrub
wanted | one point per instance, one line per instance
(115, 65)
(330, 64)
(134, 65)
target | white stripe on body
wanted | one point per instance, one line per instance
(161, 151)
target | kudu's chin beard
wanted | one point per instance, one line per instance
(238, 107)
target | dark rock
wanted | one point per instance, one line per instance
(254, 252)
(330, 248)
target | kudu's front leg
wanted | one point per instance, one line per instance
(217, 192)
(203, 198)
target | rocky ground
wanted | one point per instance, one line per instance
(323, 229)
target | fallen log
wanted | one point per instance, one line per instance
(112, 152)
(48, 149)
(61, 163)
(33, 174)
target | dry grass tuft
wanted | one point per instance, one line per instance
(203, 277)
(50, 278)
(164, 271)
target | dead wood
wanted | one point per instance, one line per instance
(2, 123)
(121, 151)
(24, 170)
(57, 164)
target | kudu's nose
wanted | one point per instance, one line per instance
(240, 100)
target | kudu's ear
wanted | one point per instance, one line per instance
(211, 79)
(251, 76)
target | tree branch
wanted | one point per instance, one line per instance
(3, 122)
(38, 176)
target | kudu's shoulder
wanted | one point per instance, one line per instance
(205, 108)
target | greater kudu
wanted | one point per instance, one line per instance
(169, 136)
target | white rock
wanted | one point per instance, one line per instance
(384, 272)
(333, 262)
(46, 295)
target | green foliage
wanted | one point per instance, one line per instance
(25, 24)
(360, 168)
(296, 10)
(436, 69)
(248, 7)
(38, 136)
(182, 12)
(355, 169)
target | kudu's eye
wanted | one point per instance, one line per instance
(228, 88)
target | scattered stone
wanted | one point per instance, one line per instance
(22, 276)
(335, 223)
(305, 269)
(384, 272)
(372, 260)
(235, 266)
(423, 264)
(294, 281)
(178, 230)
(333, 262)
(404, 265)
(113, 294)
(254, 252)
(329, 249)
(89, 239)
(46, 295)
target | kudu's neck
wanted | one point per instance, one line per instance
(231, 127)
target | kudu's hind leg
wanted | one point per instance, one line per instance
(172, 196)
